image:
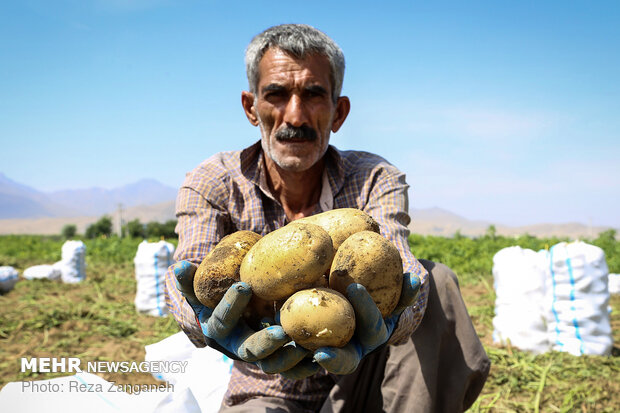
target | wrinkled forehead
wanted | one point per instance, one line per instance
(278, 64)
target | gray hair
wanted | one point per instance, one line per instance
(299, 40)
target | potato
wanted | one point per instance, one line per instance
(372, 260)
(220, 268)
(343, 222)
(287, 260)
(318, 317)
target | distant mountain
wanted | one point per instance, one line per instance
(431, 221)
(161, 212)
(21, 201)
(97, 201)
(25, 210)
(437, 221)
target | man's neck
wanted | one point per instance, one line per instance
(298, 192)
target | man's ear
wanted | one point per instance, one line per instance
(343, 106)
(247, 101)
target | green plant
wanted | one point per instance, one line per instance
(68, 231)
(103, 227)
(157, 230)
(135, 229)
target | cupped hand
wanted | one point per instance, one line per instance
(269, 348)
(371, 330)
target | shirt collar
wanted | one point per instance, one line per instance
(252, 167)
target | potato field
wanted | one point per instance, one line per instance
(96, 320)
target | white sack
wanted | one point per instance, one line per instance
(614, 283)
(151, 263)
(577, 297)
(8, 278)
(519, 282)
(177, 347)
(207, 371)
(72, 264)
(97, 395)
(43, 271)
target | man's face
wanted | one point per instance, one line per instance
(294, 109)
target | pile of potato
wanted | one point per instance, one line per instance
(303, 270)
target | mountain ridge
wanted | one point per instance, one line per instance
(21, 201)
(25, 210)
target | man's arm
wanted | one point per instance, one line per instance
(388, 204)
(201, 224)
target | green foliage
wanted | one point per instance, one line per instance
(68, 231)
(42, 317)
(523, 382)
(471, 258)
(111, 250)
(157, 230)
(608, 243)
(135, 229)
(23, 251)
(103, 227)
(151, 230)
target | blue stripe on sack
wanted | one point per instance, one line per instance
(572, 307)
(82, 269)
(157, 284)
(555, 313)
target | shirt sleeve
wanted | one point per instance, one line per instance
(201, 223)
(388, 204)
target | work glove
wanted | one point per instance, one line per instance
(371, 330)
(225, 330)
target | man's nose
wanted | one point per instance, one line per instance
(295, 112)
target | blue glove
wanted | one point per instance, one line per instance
(269, 348)
(371, 330)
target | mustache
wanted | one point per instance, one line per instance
(304, 132)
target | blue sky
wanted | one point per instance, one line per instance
(507, 112)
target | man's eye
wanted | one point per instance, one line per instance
(276, 94)
(314, 93)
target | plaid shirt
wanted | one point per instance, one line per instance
(228, 192)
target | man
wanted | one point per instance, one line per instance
(402, 363)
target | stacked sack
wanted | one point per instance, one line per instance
(72, 264)
(519, 282)
(151, 263)
(553, 300)
(577, 298)
(614, 283)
